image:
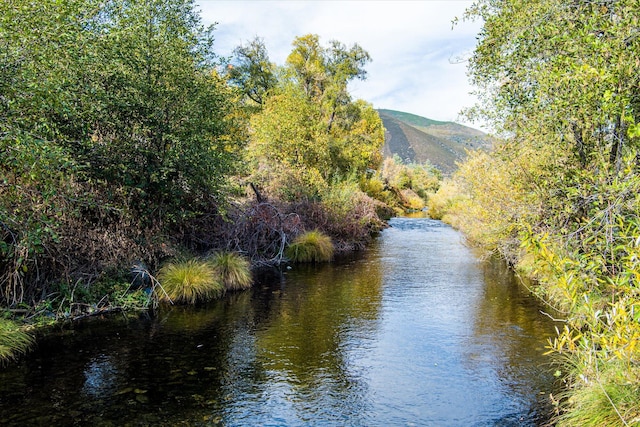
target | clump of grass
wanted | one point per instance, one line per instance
(13, 341)
(312, 246)
(233, 270)
(189, 282)
(610, 398)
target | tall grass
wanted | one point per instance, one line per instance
(189, 282)
(606, 398)
(233, 270)
(13, 341)
(312, 246)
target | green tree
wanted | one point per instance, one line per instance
(309, 127)
(356, 139)
(104, 106)
(567, 70)
(290, 142)
(252, 71)
(324, 73)
(559, 195)
(164, 128)
(128, 87)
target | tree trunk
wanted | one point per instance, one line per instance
(615, 157)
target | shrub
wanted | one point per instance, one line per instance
(312, 246)
(351, 215)
(443, 201)
(13, 341)
(233, 270)
(413, 200)
(189, 282)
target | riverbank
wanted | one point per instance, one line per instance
(259, 230)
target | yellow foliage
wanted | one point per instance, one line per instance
(414, 201)
(445, 202)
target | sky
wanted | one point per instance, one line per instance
(418, 58)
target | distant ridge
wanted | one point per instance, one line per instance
(411, 119)
(419, 139)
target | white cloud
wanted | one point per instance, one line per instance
(412, 44)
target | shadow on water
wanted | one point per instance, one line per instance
(416, 331)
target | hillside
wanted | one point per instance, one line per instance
(418, 139)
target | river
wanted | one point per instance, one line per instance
(417, 331)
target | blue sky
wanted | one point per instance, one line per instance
(417, 55)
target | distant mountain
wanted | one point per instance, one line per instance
(418, 139)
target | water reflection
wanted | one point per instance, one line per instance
(100, 376)
(318, 314)
(415, 332)
(509, 339)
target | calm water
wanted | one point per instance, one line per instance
(416, 332)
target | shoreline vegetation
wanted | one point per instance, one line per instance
(558, 197)
(137, 167)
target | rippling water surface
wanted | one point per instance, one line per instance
(416, 332)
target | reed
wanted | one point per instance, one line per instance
(189, 282)
(312, 246)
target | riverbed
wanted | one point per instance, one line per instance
(416, 331)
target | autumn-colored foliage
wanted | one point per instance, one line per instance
(558, 197)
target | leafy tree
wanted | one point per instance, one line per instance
(308, 66)
(165, 127)
(324, 73)
(559, 196)
(104, 106)
(289, 140)
(309, 128)
(252, 71)
(128, 87)
(563, 72)
(356, 139)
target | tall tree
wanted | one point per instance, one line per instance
(252, 71)
(164, 124)
(104, 105)
(324, 73)
(309, 122)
